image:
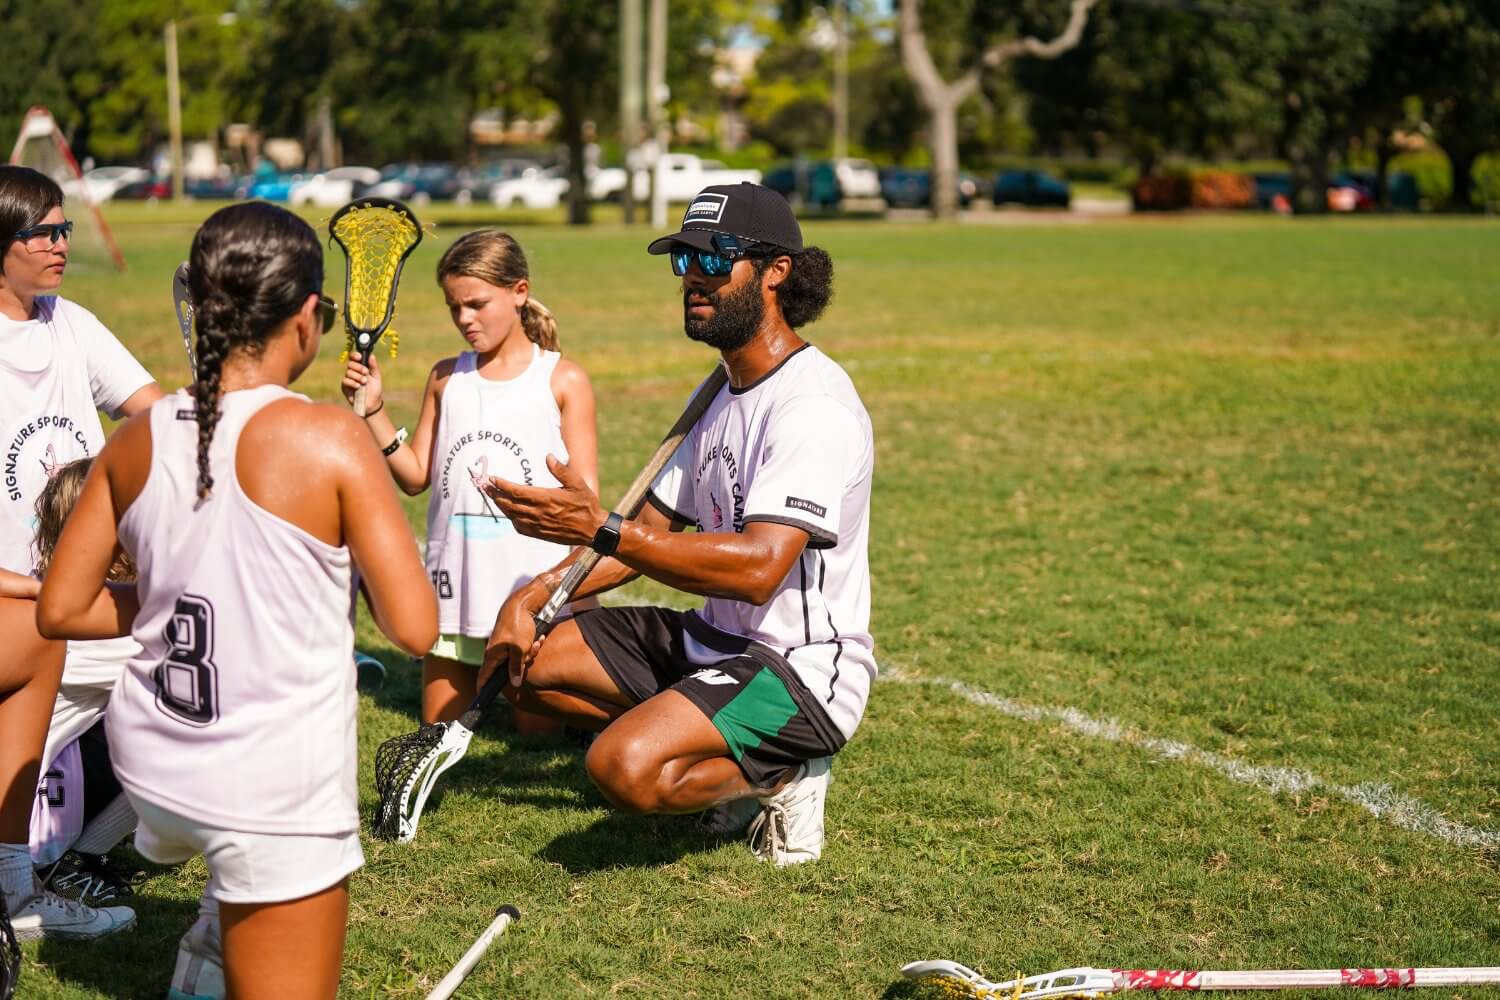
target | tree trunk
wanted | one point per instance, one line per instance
(1461, 163)
(942, 99)
(578, 193)
(943, 142)
(1385, 152)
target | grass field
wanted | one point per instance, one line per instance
(1231, 485)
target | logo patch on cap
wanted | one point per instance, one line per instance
(705, 208)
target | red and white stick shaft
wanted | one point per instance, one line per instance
(1305, 979)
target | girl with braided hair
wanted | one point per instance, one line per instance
(499, 408)
(59, 366)
(244, 507)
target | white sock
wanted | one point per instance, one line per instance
(17, 879)
(108, 828)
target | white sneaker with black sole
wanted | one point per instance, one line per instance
(47, 915)
(789, 829)
(199, 973)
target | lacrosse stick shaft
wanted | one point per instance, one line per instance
(504, 917)
(182, 305)
(1100, 982)
(628, 507)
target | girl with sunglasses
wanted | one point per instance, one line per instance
(58, 367)
(499, 408)
(244, 507)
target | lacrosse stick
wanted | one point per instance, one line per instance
(10, 956)
(182, 304)
(376, 235)
(504, 917)
(407, 767)
(1085, 982)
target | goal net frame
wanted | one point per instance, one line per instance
(39, 124)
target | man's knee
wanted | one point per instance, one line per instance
(623, 772)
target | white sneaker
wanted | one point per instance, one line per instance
(48, 915)
(789, 829)
(199, 974)
(729, 819)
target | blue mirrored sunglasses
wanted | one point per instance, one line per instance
(713, 265)
(54, 231)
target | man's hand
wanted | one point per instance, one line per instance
(513, 643)
(569, 514)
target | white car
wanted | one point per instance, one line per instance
(857, 178)
(533, 189)
(101, 183)
(333, 188)
(683, 177)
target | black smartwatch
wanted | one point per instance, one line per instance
(607, 538)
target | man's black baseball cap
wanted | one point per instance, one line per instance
(749, 211)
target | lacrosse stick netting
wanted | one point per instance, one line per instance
(376, 235)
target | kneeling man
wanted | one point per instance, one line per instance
(736, 707)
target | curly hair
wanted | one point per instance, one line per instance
(808, 289)
(252, 267)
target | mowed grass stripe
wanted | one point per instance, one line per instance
(1232, 480)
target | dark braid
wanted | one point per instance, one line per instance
(252, 267)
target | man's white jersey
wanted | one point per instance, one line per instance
(794, 448)
(56, 372)
(239, 710)
(475, 556)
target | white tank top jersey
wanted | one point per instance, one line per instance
(475, 556)
(239, 711)
(57, 371)
(795, 448)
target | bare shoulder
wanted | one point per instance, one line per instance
(568, 378)
(442, 371)
(126, 457)
(315, 436)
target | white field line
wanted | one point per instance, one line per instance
(1378, 799)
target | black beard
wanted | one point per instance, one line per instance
(736, 317)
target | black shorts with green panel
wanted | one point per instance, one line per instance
(753, 697)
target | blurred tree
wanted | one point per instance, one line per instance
(1462, 89)
(946, 49)
(104, 70)
(1155, 80)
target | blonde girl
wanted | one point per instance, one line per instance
(497, 409)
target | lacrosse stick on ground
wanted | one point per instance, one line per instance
(504, 917)
(407, 767)
(1085, 982)
(182, 305)
(376, 235)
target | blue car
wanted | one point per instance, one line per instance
(1030, 187)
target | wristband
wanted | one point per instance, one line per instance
(390, 449)
(371, 413)
(607, 538)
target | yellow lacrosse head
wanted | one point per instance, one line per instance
(376, 235)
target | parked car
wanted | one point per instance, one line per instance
(902, 187)
(815, 182)
(225, 187)
(857, 178)
(101, 183)
(1030, 187)
(685, 175)
(533, 189)
(420, 183)
(274, 186)
(333, 188)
